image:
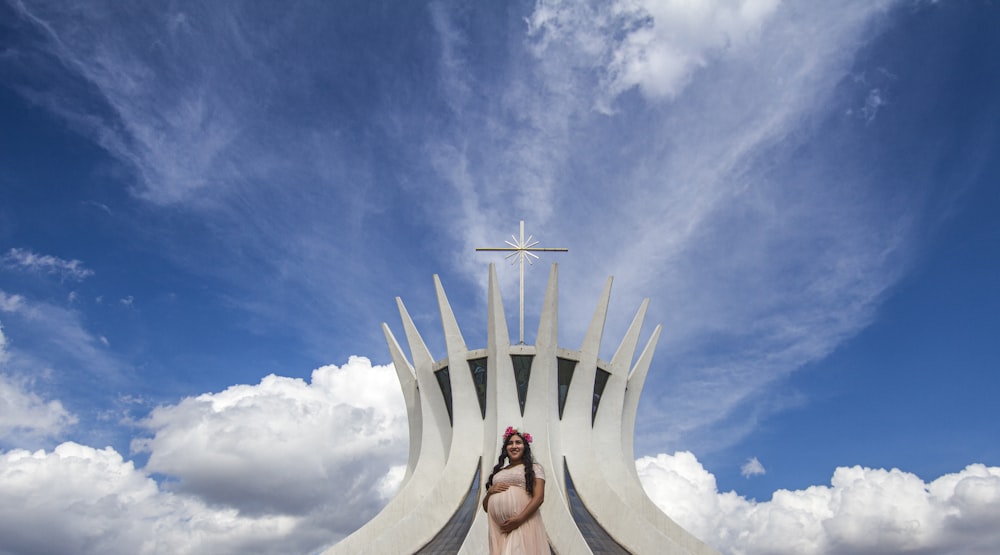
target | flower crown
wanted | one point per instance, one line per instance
(511, 431)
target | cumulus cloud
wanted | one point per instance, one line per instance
(26, 416)
(77, 499)
(862, 511)
(284, 466)
(26, 260)
(287, 446)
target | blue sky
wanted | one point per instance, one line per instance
(206, 212)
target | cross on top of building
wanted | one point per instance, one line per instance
(522, 249)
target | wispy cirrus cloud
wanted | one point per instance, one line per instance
(54, 337)
(210, 127)
(626, 140)
(614, 129)
(3, 346)
(660, 45)
(29, 261)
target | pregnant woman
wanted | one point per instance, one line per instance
(513, 495)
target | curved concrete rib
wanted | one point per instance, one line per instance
(630, 408)
(411, 396)
(502, 408)
(541, 412)
(501, 404)
(608, 423)
(610, 432)
(603, 502)
(420, 526)
(453, 339)
(580, 398)
(435, 412)
(467, 438)
(435, 436)
(451, 488)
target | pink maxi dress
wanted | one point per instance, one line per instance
(527, 539)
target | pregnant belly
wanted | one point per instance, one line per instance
(508, 503)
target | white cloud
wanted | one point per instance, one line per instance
(862, 511)
(10, 303)
(389, 484)
(147, 131)
(663, 43)
(60, 340)
(26, 416)
(23, 259)
(873, 103)
(284, 466)
(287, 446)
(78, 499)
(3, 346)
(752, 468)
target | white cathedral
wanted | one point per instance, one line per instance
(579, 409)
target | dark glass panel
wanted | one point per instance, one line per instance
(450, 538)
(522, 372)
(444, 382)
(478, 368)
(594, 534)
(600, 380)
(566, 368)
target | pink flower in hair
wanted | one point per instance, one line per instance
(511, 430)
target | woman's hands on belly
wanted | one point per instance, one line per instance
(507, 504)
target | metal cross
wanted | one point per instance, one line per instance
(522, 249)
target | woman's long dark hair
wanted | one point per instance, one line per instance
(526, 460)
